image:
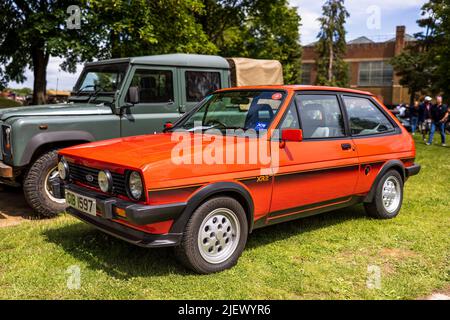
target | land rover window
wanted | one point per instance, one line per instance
(154, 85)
(320, 116)
(365, 118)
(104, 78)
(201, 83)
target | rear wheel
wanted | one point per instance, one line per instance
(37, 186)
(388, 198)
(215, 236)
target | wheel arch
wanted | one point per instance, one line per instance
(229, 189)
(389, 165)
(46, 141)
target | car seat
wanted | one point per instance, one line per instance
(259, 116)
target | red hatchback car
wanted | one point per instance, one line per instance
(243, 159)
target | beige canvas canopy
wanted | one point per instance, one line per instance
(254, 72)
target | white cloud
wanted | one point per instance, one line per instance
(65, 80)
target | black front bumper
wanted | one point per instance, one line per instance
(136, 214)
(412, 170)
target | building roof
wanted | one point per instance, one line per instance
(176, 59)
(360, 40)
(408, 38)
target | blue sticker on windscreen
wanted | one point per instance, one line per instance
(260, 125)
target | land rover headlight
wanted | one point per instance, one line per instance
(6, 140)
(135, 185)
(105, 181)
(63, 169)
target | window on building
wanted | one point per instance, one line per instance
(201, 83)
(306, 74)
(365, 118)
(375, 73)
(154, 85)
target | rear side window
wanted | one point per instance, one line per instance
(320, 116)
(365, 117)
(154, 85)
(201, 83)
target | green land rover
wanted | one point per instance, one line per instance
(113, 98)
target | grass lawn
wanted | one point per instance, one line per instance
(321, 257)
(7, 103)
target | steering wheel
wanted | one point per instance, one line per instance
(211, 122)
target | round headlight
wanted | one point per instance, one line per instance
(63, 169)
(105, 181)
(135, 185)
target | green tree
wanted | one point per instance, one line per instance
(261, 29)
(332, 70)
(423, 66)
(146, 27)
(31, 32)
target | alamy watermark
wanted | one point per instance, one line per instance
(74, 19)
(373, 277)
(74, 278)
(235, 147)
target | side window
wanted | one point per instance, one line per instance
(320, 116)
(290, 120)
(365, 118)
(154, 85)
(201, 83)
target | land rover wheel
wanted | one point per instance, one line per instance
(37, 186)
(215, 236)
(388, 198)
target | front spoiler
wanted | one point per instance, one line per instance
(128, 234)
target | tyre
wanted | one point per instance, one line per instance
(37, 186)
(214, 237)
(388, 198)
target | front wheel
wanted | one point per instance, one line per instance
(37, 186)
(388, 198)
(215, 236)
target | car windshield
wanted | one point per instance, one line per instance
(235, 110)
(102, 78)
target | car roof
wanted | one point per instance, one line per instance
(297, 87)
(176, 59)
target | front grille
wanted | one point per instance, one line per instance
(80, 174)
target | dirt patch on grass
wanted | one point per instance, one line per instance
(13, 207)
(397, 253)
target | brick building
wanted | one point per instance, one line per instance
(369, 66)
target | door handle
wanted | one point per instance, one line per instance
(346, 146)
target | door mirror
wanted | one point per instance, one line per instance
(133, 95)
(292, 135)
(167, 126)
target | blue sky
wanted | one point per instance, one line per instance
(376, 19)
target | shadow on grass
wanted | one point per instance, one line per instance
(125, 261)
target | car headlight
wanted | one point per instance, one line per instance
(105, 181)
(135, 185)
(63, 169)
(7, 140)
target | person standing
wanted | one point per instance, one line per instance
(439, 116)
(425, 117)
(414, 115)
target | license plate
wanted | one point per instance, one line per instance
(81, 203)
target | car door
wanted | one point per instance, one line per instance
(195, 84)
(158, 100)
(376, 136)
(321, 170)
